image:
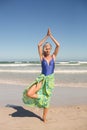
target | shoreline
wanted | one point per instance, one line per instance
(23, 83)
(12, 94)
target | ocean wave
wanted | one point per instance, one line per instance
(19, 64)
(38, 71)
(73, 63)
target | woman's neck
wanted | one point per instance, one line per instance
(47, 56)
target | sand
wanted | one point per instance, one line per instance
(14, 117)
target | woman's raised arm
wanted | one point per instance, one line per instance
(55, 41)
(40, 46)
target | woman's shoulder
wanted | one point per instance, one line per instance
(41, 58)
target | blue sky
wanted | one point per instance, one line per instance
(23, 23)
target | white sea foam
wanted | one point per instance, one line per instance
(38, 64)
(13, 65)
(73, 63)
(38, 71)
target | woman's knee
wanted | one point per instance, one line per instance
(39, 85)
(29, 94)
(31, 91)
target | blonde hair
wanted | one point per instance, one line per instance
(47, 43)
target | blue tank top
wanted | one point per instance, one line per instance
(47, 69)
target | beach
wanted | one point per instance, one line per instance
(68, 106)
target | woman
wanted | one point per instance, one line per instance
(40, 91)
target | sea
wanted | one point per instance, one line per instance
(35, 67)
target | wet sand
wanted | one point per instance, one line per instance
(12, 94)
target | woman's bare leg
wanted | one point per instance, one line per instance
(45, 114)
(32, 92)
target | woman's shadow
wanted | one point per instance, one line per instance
(21, 112)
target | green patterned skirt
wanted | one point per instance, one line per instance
(44, 94)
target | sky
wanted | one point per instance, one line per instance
(23, 23)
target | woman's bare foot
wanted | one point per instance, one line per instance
(45, 115)
(44, 119)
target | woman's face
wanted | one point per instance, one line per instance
(47, 49)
